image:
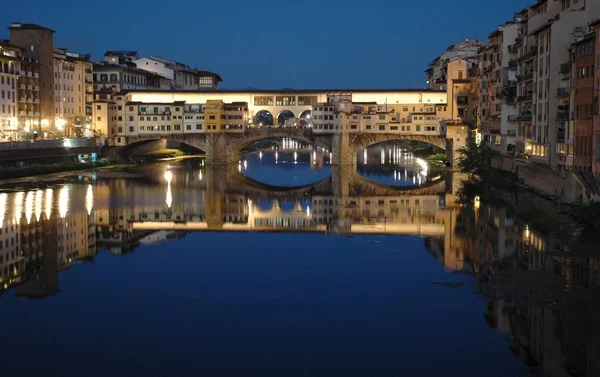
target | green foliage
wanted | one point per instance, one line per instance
(37, 170)
(475, 159)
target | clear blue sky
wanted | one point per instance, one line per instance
(274, 44)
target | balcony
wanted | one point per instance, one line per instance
(529, 55)
(563, 92)
(525, 117)
(513, 49)
(562, 116)
(512, 64)
(88, 70)
(88, 81)
(560, 135)
(525, 77)
(525, 98)
(565, 68)
(511, 133)
(513, 118)
(518, 42)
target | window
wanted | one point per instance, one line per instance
(263, 101)
(381, 127)
(598, 147)
(460, 75)
(188, 127)
(211, 117)
(130, 128)
(198, 126)
(368, 126)
(177, 127)
(131, 119)
(99, 119)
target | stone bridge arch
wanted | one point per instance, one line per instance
(136, 144)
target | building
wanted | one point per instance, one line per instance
(37, 43)
(10, 70)
(499, 87)
(465, 50)
(583, 58)
(551, 28)
(181, 76)
(73, 92)
(595, 25)
(119, 72)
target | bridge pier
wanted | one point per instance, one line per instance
(343, 153)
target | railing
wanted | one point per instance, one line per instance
(565, 68)
(525, 98)
(525, 117)
(511, 133)
(512, 63)
(525, 77)
(560, 135)
(87, 70)
(47, 144)
(562, 92)
(512, 118)
(529, 55)
(562, 116)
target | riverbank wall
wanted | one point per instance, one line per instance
(565, 186)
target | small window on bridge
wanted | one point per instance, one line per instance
(368, 126)
(353, 126)
(382, 128)
(395, 128)
(418, 128)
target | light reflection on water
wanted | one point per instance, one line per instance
(393, 164)
(334, 289)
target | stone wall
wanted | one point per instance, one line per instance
(560, 185)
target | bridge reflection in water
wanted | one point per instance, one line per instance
(56, 227)
(47, 231)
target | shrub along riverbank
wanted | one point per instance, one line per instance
(39, 169)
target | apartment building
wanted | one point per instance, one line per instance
(119, 72)
(181, 76)
(341, 113)
(595, 26)
(552, 27)
(499, 88)
(465, 50)
(10, 69)
(583, 58)
(121, 118)
(37, 43)
(73, 80)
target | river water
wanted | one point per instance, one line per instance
(286, 266)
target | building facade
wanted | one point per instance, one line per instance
(181, 76)
(10, 70)
(37, 43)
(73, 80)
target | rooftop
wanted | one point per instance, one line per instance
(131, 54)
(287, 91)
(22, 26)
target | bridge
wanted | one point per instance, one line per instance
(225, 147)
(342, 122)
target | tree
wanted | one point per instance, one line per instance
(475, 159)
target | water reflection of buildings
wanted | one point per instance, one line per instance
(541, 299)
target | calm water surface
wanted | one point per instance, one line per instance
(283, 266)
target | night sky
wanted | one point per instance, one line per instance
(274, 44)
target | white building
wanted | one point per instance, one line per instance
(182, 77)
(10, 70)
(73, 92)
